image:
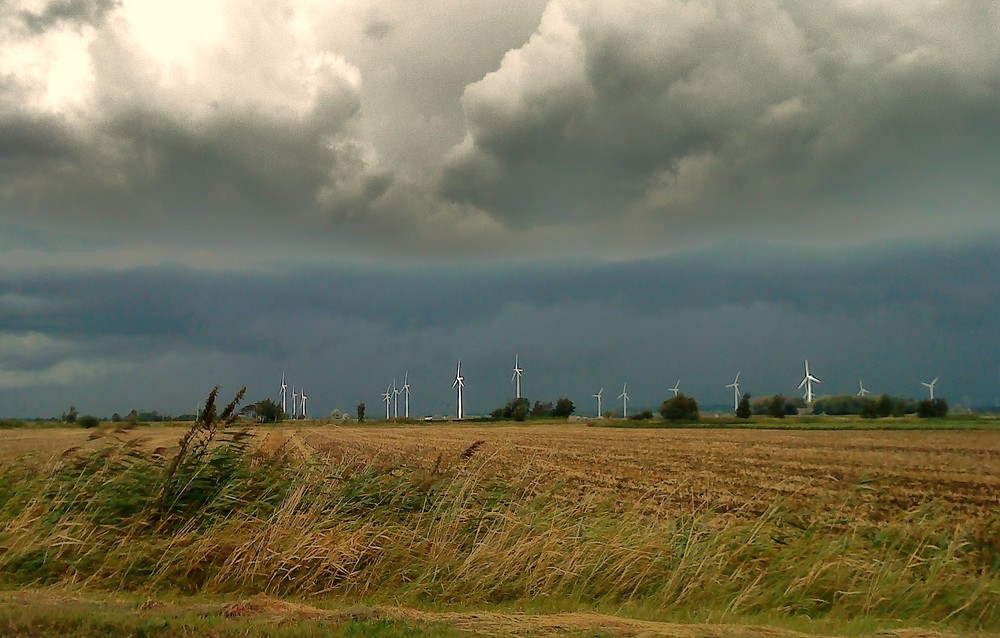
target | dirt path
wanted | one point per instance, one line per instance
(267, 609)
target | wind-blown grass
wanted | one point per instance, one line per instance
(221, 517)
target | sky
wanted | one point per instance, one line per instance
(214, 192)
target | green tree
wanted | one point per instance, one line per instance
(71, 415)
(361, 412)
(88, 422)
(268, 411)
(932, 409)
(515, 409)
(541, 410)
(776, 406)
(743, 410)
(564, 408)
(116, 418)
(679, 408)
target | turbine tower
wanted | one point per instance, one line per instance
(395, 400)
(808, 380)
(406, 395)
(930, 387)
(624, 397)
(284, 391)
(460, 385)
(735, 385)
(600, 393)
(294, 404)
(862, 391)
(677, 387)
(387, 397)
(517, 377)
(302, 397)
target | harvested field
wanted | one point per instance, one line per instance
(739, 472)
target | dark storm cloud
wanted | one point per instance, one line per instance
(956, 288)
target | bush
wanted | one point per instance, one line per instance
(87, 422)
(644, 415)
(679, 408)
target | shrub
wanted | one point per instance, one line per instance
(87, 422)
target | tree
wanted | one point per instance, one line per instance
(743, 410)
(116, 418)
(932, 409)
(541, 409)
(70, 416)
(515, 409)
(361, 412)
(268, 411)
(776, 406)
(679, 408)
(564, 408)
(88, 422)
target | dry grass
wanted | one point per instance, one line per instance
(845, 523)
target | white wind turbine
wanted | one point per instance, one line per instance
(677, 387)
(862, 391)
(600, 393)
(387, 397)
(624, 397)
(930, 387)
(395, 400)
(460, 385)
(406, 395)
(517, 377)
(284, 391)
(302, 397)
(294, 404)
(735, 385)
(808, 380)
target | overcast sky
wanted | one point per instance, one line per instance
(202, 192)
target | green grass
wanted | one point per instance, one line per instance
(810, 422)
(112, 621)
(221, 519)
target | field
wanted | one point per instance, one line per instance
(558, 529)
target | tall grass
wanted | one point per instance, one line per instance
(220, 516)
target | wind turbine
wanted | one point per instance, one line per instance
(406, 395)
(677, 387)
(930, 386)
(808, 382)
(284, 390)
(735, 385)
(517, 377)
(303, 398)
(294, 405)
(387, 397)
(600, 393)
(862, 391)
(395, 400)
(624, 397)
(460, 384)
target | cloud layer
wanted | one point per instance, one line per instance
(167, 334)
(572, 126)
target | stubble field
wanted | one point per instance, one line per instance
(895, 528)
